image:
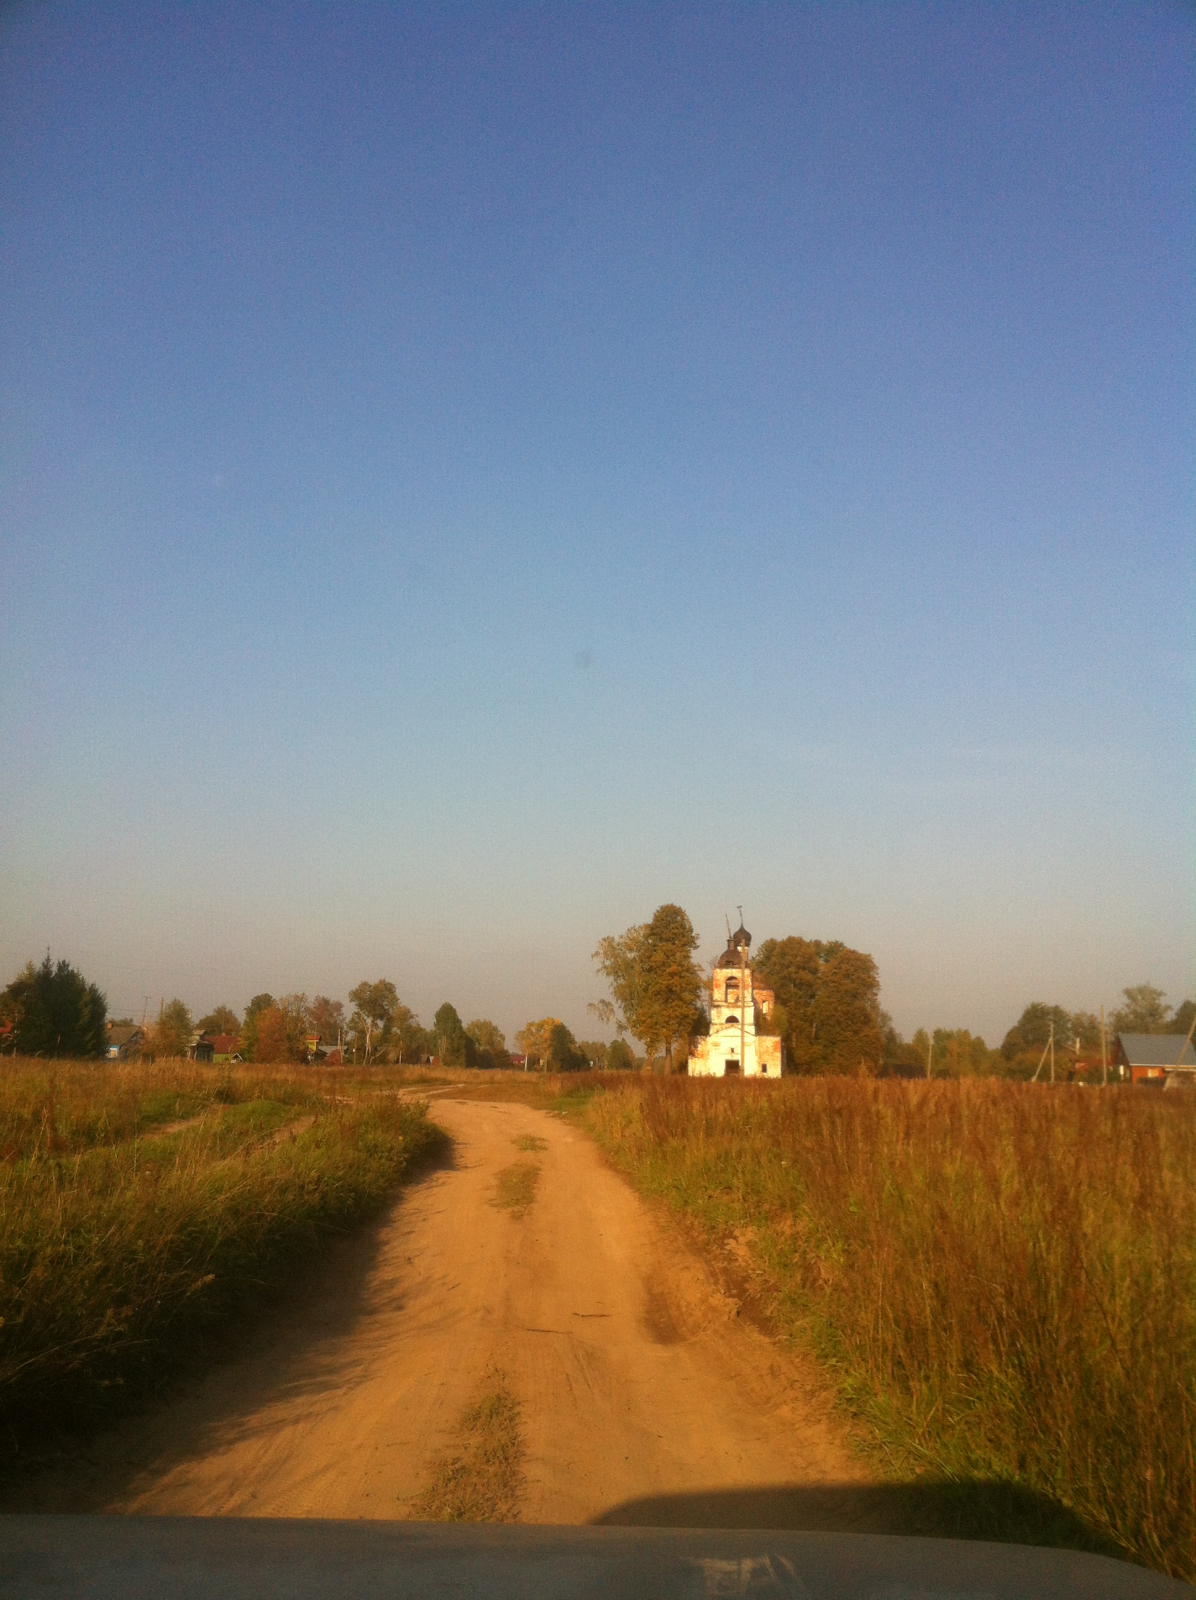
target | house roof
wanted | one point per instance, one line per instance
(223, 1044)
(1157, 1050)
(119, 1034)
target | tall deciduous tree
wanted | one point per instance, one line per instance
(270, 1040)
(328, 1019)
(563, 1052)
(408, 1040)
(1032, 1030)
(52, 1010)
(619, 1057)
(827, 1004)
(491, 1042)
(1145, 1011)
(254, 1011)
(171, 1034)
(373, 1019)
(282, 1029)
(487, 1035)
(455, 1047)
(655, 984)
(223, 1019)
(535, 1039)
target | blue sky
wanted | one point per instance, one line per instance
(472, 474)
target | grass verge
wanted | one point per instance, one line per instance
(142, 1209)
(1001, 1279)
(482, 1479)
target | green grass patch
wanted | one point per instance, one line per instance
(122, 1253)
(531, 1143)
(1001, 1279)
(481, 1480)
(515, 1188)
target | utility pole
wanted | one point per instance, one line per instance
(1104, 1058)
(742, 998)
(1048, 1046)
(1184, 1047)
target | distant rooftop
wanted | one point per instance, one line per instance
(1157, 1050)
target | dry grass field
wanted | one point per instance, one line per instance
(1002, 1277)
(143, 1207)
(999, 1278)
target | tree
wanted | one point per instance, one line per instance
(901, 1060)
(455, 1047)
(171, 1034)
(1145, 1011)
(52, 1010)
(618, 960)
(487, 1036)
(373, 1019)
(409, 1041)
(1032, 1030)
(563, 1054)
(328, 1019)
(594, 1051)
(535, 1039)
(827, 1004)
(1085, 1030)
(222, 1020)
(256, 1008)
(296, 1014)
(655, 985)
(957, 1054)
(271, 1043)
(1182, 1020)
(619, 1057)
(281, 1030)
(490, 1041)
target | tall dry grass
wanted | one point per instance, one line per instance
(143, 1207)
(1002, 1276)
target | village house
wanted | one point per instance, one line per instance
(1158, 1060)
(739, 1002)
(124, 1040)
(225, 1047)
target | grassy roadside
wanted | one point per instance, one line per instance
(1001, 1280)
(143, 1208)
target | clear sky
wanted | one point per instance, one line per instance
(471, 474)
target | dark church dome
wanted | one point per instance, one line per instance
(736, 953)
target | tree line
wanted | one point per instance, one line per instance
(51, 1010)
(827, 1009)
(827, 1012)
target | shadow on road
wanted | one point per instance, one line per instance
(976, 1509)
(297, 1343)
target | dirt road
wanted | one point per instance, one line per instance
(636, 1385)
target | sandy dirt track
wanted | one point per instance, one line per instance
(636, 1381)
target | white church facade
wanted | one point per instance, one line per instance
(733, 1047)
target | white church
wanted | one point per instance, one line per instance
(733, 1047)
